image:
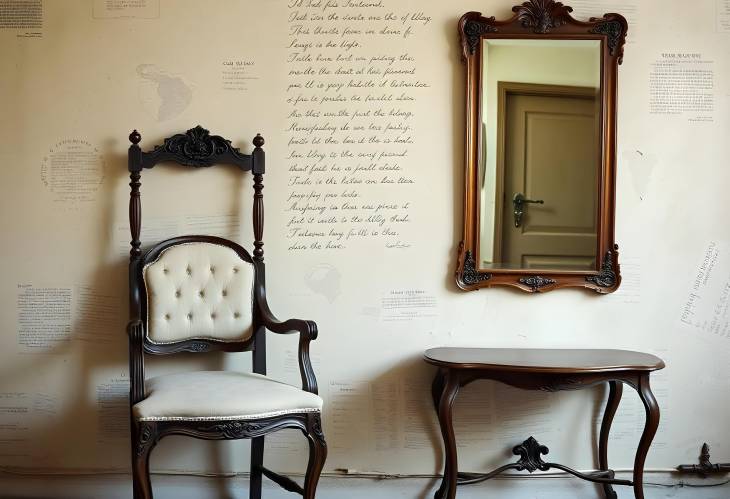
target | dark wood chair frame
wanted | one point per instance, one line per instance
(198, 148)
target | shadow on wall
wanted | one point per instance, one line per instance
(89, 431)
(84, 429)
(488, 417)
(404, 418)
(93, 426)
(401, 408)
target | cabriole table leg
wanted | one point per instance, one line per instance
(650, 428)
(447, 490)
(616, 389)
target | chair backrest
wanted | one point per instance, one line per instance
(197, 289)
(196, 293)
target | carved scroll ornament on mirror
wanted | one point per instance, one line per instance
(539, 196)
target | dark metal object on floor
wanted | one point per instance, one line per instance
(705, 467)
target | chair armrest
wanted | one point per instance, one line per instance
(307, 332)
(305, 328)
(135, 330)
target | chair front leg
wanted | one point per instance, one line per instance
(317, 455)
(145, 438)
(309, 380)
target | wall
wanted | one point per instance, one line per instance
(376, 273)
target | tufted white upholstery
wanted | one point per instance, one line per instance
(199, 290)
(221, 395)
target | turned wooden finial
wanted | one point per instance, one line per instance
(135, 137)
(258, 141)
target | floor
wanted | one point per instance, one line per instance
(191, 487)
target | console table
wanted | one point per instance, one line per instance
(550, 370)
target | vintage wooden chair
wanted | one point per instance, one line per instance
(203, 293)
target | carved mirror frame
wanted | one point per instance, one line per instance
(541, 19)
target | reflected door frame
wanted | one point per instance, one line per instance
(504, 89)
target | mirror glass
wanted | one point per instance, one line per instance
(540, 160)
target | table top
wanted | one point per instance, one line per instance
(544, 360)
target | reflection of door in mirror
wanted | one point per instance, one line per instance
(540, 154)
(549, 194)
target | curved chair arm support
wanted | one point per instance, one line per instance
(307, 332)
(305, 328)
(135, 330)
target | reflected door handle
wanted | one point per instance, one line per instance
(519, 202)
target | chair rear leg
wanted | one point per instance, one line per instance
(145, 438)
(317, 455)
(257, 462)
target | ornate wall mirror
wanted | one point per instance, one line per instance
(540, 149)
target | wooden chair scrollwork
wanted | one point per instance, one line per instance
(202, 293)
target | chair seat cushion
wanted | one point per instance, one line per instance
(214, 395)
